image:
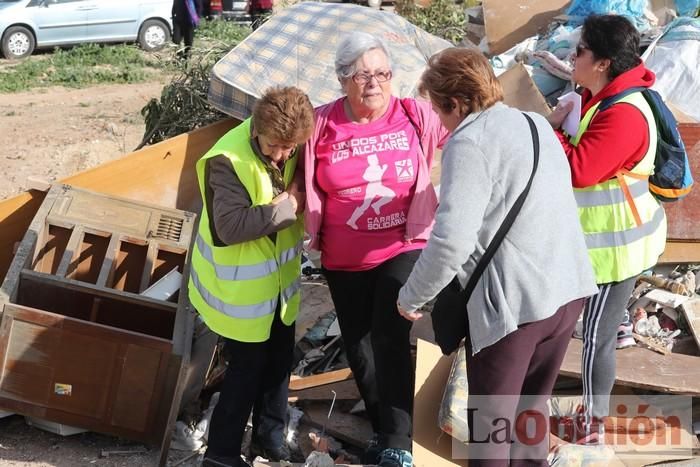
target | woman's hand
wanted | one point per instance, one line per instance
(556, 118)
(283, 197)
(409, 315)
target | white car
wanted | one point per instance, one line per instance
(29, 24)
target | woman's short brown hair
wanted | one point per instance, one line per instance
(464, 74)
(285, 114)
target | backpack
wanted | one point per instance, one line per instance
(671, 179)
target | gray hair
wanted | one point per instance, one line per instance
(352, 47)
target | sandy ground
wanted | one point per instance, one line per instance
(51, 133)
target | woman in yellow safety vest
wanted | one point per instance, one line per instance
(611, 157)
(246, 263)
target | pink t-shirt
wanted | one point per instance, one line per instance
(368, 174)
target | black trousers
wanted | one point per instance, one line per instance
(183, 31)
(377, 342)
(257, 379)
(525, 362)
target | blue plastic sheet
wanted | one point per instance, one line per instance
(687, 7)
(632, 9)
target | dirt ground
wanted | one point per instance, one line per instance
(49, 134)
(53, 132)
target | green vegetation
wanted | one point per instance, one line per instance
(91, 64)
(183, 104)
(80, 66)
(443, 18)
(222, 32)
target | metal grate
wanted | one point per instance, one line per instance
(169, 228)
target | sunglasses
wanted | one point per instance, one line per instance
(580, 48)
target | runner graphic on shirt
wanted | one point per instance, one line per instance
(373, 175)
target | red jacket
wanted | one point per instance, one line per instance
(615, 139)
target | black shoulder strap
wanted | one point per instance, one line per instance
(610, 100)
(510, 217)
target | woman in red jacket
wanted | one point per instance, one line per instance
(611, 158)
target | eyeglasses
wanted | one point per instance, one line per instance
(364, 78)
(580, 48)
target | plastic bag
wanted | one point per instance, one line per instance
(452, 417)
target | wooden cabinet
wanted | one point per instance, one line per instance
(79, 345)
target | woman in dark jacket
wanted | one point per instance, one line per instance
(185, 21)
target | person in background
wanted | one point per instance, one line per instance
(246, 264)
(186, 17)
(521, 314)
(613, 151)
(370, 207)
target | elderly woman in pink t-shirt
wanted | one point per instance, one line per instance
(370, 209)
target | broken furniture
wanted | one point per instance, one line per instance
(78, 343)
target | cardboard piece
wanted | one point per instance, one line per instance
(520, 91)
(510, 21)
(431, 447)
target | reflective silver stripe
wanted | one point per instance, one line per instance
(291, 290)
(234, 311)
(625, 237)
(236, 273)
(588, 199)
(290, 253)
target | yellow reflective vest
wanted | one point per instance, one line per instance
(236, 288)
(624, 225)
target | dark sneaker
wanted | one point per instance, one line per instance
(276, 454)
(395, 458)
(371, 454)
(220, 461)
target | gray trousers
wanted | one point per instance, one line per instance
(602, 316)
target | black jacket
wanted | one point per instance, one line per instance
(180, 14)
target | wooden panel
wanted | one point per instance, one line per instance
(16, 214)
(26, 369)
(643, 368)
(128, 266)
(54, 246)
(87, 263)
(108, 213)
(684, 215)
(84, 374)
(162, 174)
(84, 363)
(135, 394)
(681, 252)
(121, 310)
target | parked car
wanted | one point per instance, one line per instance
(29, 24)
